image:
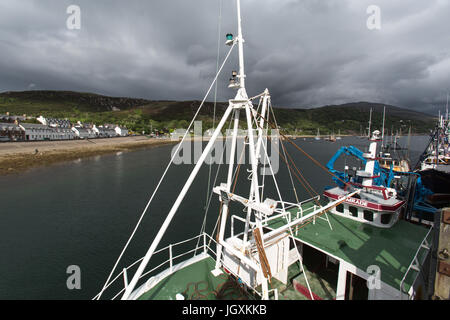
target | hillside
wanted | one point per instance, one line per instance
(141, 114)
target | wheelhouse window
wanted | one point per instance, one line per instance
(386, 218)
(368, 215)
(340, 208)
(353, 211)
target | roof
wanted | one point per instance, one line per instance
(362, 245)
(84, 130)
(34, 126)
(9, 126)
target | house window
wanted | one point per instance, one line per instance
(340, 208)
(368, 215)
(353, 211)
(386, 218)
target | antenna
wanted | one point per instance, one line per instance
(446, 114)
(240, 40)
(382, 132)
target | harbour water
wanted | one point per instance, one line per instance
(82, 213)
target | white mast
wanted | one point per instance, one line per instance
(446, 112)
(241, 101)
(240, 40)
(370, 122)
(382, 132)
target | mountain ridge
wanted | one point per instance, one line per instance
(144, 113)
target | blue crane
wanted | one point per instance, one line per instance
(340, 176)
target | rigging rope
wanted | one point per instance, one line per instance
(215, 93)
(289, 170)
(303, 151)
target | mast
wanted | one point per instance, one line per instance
(382, 132)
(446, 110)
(370, 122)
(240, 40)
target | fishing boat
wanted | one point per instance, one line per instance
(339, 136)
(376, 204)
(437, 153)
(331, 137)
(392, 155)
(317, 137)
(275, 248)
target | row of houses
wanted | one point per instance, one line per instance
(56, 129)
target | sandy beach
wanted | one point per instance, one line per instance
(19, 156)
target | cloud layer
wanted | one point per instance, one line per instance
(308, 53)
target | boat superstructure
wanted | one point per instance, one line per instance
(275, 248)
(392, 155)
(376, 204)
(437, 153)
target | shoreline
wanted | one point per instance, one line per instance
(18, 157)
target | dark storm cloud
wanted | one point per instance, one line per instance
(308, 53)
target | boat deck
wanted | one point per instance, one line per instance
(196, 282)
(356, 243)
(363, 245)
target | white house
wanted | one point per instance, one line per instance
(121, 131)
(84, 133)
(37, 131)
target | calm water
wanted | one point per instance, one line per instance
(82, 212)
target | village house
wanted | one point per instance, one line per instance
(121, 131)
(104, 132)
(11, 132)
(84, 133)
(35, 132)
(53, 122)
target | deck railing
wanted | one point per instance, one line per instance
(282, 213)
(170, 262)
(205, 248)
(415, 264)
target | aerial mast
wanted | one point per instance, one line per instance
(382, 132)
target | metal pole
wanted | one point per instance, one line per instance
(241, 47)
(225, 203)
(175, 206)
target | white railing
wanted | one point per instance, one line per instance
(205, 248)
(168, 249)
(415, 264)
(283, 213)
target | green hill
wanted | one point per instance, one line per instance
(141, 114)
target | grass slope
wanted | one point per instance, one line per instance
(141, 114)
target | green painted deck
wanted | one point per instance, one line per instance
(322, 284)
(195, 282)
(363, 245)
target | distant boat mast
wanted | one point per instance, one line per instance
(370, 122)
(382, 132)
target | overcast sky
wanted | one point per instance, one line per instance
(308, 53)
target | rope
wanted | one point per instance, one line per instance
(303, 151)
(289, 170)
(215, 93)
(229, 289)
